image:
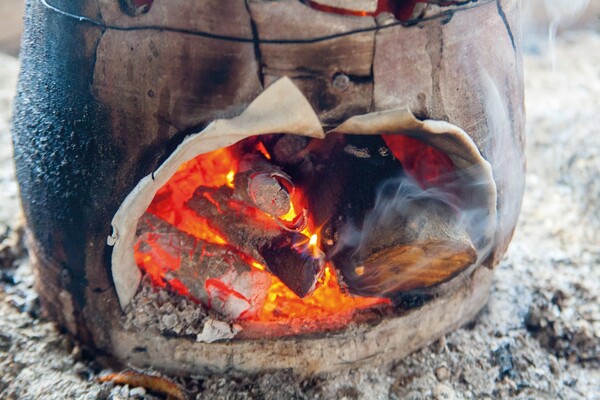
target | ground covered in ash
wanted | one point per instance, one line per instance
(539, 336)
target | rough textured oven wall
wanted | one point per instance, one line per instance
(65, 158)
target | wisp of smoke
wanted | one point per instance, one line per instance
(412, 238)
(561, 12)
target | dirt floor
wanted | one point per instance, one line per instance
(538, 338)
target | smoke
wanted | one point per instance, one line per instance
(543, 19)
(413, 237)
(393, 199)
(561, 13)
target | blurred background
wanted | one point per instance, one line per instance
(539, 336)
(11, 14)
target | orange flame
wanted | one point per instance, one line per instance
(230, 175)
(327, 301)
(313, 240)
(262, 149)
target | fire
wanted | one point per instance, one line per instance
(291, 215)
(261, 148)
(212, 169)
(230, 175)
(428, 166)
(326, 301)
(313, 240)
(217, 169)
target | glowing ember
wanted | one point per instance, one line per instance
(428, 166)
(328, 300)
(261, 148)
(230, 175)
(157, 263)
(211, 169)
(214, 170)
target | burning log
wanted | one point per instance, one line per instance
(268, 188)
(289, 149)
(285, 254)
(216, 275)
(342, 180)
(263, 184)
(409, 241)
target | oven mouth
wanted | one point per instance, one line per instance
(283, 109)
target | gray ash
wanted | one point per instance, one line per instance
(565, 323)
(157, 309)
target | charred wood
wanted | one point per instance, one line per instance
(283, 253)
(385, 234)
(289, 149)
(341, 180)
(412, 244)
(218, 276)
(263, 184)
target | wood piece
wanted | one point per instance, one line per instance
(383, 245)
(280, 108)
(396, 270)
(154, 383)
(289, 149)
(216, 275)
(258, 235)
(409, 241)
(472, 183)
(263, 184)
(342, 179)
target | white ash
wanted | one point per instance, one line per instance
(157, 309)
(120, 392)
(137, 391)
(214, 330)
(357, 152)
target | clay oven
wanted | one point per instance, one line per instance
(268, 184)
